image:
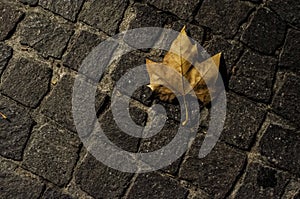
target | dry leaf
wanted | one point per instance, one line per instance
(197, 73)
(3, 116)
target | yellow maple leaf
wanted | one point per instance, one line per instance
(183, 57)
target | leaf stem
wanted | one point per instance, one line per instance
(3, 116)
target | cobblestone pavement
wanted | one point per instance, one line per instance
(42, 44)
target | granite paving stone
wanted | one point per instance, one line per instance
(290, 55)
(15, 185)
(281, 147)
(104, 15)
(214, 14)
(26, 81)
(52, 153)
(154, 185)
(183, 9)
(52, 192)
(292, 190)
(81, 46)
(58, 105)
(99, 180)
(14, 132)
(216, 173)
(265, 33)
(286, 99)
(30, 2)
(243, 120)
(44, 34)
(5, 55)
(9, 18)
(262, 182)
(253, 76)
(287, 9)
(66, 8)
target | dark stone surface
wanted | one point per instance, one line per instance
(15, 185)
(287, 9)
(253, 76)
(81, 47)
(292, 190)
(58, 106)
(53, 193)
(99, 180)
(105, 14)
(52, 153)
(243, 119)
(30, 2)
(116, 135)
(214, 14)
(290, 56)
(67, 9)
(5, 55)
(26, 81)
(48, 37)
(281, 147)
(231, 51)
(286, 99)
(154, 185)
(9, 18)
(144, 16)
(183, 9)
(265, 32)
(262, 182)
(216, 173)
(161, 139)
(14, 132)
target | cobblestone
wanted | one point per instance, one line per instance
(215, 14)
(26, 81)
(55, 193)
(67, 9)
(8, 20)
(105, 15)
(262, 182)
(254, 76)
(30, 2)
(52, 153)
(5, 55)
(265, 32)
(280, 146)
(44, 35)
(15, 132)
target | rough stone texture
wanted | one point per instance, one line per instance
(116, 135)
(5, 55)
(66, 8)
(231, 51)
(144, 16)
(254, 76)
(262, 182)
(9, 18)
(44, 35)
(14, 132)
(153, 185)
(281, 147)
(265, 32)
(216, 173)
(30, 2)
(58, 106)
(105, 14)
(214, 14)
(286, 100)
(26, 81)
(81, 47)
(243, 119)
(290, 56)
(287, 9)
(15, 185)
(52, 153)
(99, 180)
(183, 9)
(292, 190)
(52, 192)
